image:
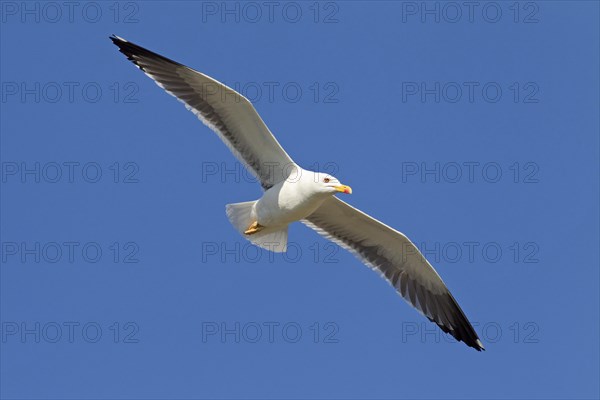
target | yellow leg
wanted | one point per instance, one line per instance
(255, 227)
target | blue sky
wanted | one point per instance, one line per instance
(472, 130)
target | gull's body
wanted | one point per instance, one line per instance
(295, 194)
(290, 200)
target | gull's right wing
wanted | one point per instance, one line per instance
(221, 108)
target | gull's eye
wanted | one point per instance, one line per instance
(326, 180)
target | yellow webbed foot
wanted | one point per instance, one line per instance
(253, 228)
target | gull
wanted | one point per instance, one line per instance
(292, 194)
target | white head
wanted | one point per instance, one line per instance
(327, 184)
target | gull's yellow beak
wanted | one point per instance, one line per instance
(343, 189)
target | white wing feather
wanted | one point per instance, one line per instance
(398, 260)
(221, 108)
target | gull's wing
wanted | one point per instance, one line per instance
(398, 260)
(221, 108)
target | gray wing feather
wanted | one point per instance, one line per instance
(221, 108)
(398, 260)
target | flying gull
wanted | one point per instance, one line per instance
(292, 193)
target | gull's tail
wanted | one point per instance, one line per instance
(242, 215)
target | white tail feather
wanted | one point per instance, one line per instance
(242, 215)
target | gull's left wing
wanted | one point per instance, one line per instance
(221, 108)
(398, 260)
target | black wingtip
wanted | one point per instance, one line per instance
(116, 39)
(458, 325)
(477, 345)
(468, 336)
(473, 343)
(481, 348)
(133, 52)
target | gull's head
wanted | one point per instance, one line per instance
(326, 183)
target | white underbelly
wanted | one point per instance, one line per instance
(279, 206)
